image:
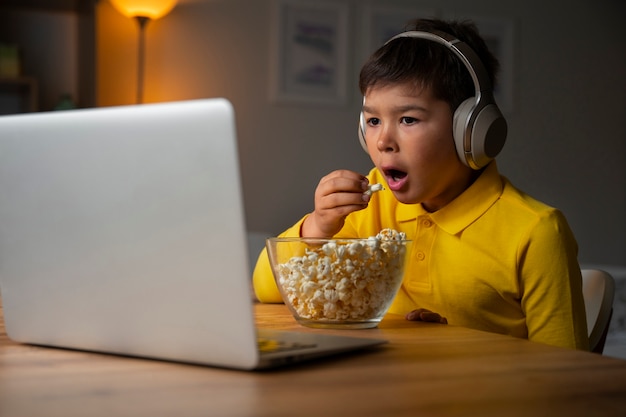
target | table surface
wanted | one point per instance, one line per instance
(426, 370)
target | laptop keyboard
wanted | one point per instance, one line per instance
(274, 345)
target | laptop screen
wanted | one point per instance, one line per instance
(122, 229)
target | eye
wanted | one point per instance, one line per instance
(409, 120)
(373, 121)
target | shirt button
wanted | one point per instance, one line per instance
(426, 223)
(420, 256)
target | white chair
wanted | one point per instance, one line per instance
(598, 292)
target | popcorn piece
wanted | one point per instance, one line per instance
(390, 234)
(373, 188)
(345, 280)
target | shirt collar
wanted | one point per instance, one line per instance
(466, 208)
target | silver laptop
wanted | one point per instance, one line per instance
(122, 231)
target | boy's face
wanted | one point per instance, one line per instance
(409, 138)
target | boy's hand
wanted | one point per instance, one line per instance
(421, 314)
(337, 195)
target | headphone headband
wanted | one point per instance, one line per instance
(479, 128)
(482, 83)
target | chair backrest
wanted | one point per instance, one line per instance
(598, 292)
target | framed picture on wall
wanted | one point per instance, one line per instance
(309, 52)
(380, 23)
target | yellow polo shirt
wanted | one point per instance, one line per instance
(493, 259)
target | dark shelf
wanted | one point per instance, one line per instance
(21, 92)
(50, 5)
(85, 10)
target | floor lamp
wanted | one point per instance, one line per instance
(143, 11)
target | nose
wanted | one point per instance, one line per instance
(385, 142)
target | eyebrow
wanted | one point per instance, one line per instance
(398, 109)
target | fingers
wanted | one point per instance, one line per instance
(337, 195)
(340, 188)
(421, 314)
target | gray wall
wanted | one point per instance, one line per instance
(567, 140)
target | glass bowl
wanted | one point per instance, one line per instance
(338, 283)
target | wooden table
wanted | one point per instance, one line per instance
(425, 370)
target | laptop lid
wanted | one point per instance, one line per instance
(122, 230)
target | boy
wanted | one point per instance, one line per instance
(484, 254)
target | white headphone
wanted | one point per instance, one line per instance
(479, 128)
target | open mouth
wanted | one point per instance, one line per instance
(395, 175)
(396, 179)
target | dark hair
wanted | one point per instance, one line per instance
(429, 64)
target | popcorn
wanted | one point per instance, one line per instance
(373, 188)
(345, 280)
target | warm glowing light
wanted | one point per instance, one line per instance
(152, 9)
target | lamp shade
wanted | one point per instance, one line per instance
(152, 9)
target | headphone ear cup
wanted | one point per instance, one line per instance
(459, 122)
(362, 132)
(488, 135)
